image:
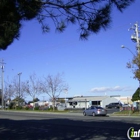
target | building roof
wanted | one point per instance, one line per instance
(89, 98)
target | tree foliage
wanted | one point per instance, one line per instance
(36, 100)
(18, 99)
(12, 12)
(135, 66)
(90, 15)
(136, 95)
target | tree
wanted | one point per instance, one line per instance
(8, 92)
(36, 100)
(14, 89)
(136, 95)
(53, 86)
(12, 12)
(32, 87)
(90, 15)
(9, 89)
(135, 66)
(18, 89)
(19, 101)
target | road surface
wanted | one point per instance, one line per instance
(69, 126)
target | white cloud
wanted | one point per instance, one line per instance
(109, 89)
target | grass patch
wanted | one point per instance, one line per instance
(127, 113)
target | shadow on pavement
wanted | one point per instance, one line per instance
(64, 129)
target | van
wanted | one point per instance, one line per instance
(114, 105)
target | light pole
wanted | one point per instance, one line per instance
(66, 91)
(85, 104)
(134, 57)
(128, 50)
(136, 38)
(19, 74)
(2, 95)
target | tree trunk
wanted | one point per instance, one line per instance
(53, 104)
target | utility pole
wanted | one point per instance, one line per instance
(19, 74)
(136, 37)
(2, 79)
(66, 91)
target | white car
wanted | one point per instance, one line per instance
(94, 111)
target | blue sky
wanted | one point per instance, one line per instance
(93, 67)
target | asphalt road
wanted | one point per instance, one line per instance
(69, 126)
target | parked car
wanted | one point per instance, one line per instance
(114, 105)
(94, 110)
(126, 105)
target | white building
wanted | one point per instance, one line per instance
(125, 99)
(87, 101)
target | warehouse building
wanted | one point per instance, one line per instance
(87, 101)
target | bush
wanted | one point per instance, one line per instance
(36, 108)
(51, 108)
(26, 108)
(18, 107)
(11, 105)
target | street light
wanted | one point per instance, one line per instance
(134, 56)
(66, 91)
(2, 94)
(19, 74)
(128, 50)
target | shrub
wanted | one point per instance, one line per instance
(11, 105)
(18, 107)
(36, 108)
(26, 108)
(51, 108)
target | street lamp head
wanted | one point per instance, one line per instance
(20, 73)
(2, 67)
(122, 46)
